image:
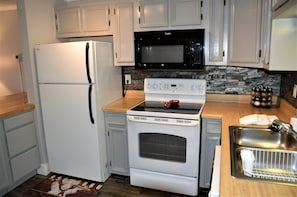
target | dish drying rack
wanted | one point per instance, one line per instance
(277, 165)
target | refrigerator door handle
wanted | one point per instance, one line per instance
(87, 63)
(90, 104)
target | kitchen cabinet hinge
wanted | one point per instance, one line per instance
(260, 53)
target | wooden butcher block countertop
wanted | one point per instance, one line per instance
(229, 108)
(230, 112)
(132, 98)
(13, 104)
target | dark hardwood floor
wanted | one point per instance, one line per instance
(115, 186)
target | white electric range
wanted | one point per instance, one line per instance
(164, 135)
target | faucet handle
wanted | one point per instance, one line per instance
(280, 126)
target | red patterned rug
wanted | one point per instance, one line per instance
(61, 185)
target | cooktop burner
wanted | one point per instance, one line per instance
(181, 108)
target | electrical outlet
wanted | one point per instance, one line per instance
(295, 91)
(127, 79)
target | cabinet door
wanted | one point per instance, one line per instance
(185, 12)
(67, 21)
(123, 36)
(95, 18)
(266, 31)
(211, 136)
(245, 31)
(153, 13)
(4, 181)
(117, 143)
(217, 31)
(211, 141)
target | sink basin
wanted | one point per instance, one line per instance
(275, 154)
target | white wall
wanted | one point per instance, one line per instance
(10, 45)
(37, 26)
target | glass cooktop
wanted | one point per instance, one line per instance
(181, 108)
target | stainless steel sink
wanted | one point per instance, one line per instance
(275, 154)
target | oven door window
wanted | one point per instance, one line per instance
(162, 54)
(162, 147)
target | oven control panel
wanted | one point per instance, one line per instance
(175, 86)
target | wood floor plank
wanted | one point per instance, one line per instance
(115, 186)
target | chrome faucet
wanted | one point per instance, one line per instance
(282, 127)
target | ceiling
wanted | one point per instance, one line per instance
(7, 4)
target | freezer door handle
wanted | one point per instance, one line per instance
(87, 63)
(90, 104)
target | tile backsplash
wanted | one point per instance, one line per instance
(220, 79)
(288, 80)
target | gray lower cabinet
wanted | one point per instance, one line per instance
(18, 147)
(211, 136)
(117, 143)
(4, 181)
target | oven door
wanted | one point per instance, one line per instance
(164, 145)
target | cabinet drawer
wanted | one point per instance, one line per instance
(214, 127)
(25, 163)
(18, 120)
(21, 139)
(115, 119)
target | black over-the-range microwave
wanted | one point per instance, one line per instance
(177, 49)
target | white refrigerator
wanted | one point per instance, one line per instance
(75, 80)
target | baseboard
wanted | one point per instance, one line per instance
(43, 170)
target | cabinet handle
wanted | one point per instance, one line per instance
(260, 53)
(56, 18)
(109, 23)
(108, 11)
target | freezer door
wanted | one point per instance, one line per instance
(71, 138)
(71, 62)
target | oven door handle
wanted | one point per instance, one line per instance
(164, 121)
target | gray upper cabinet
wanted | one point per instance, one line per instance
(153, 13)
(217, 35)
(157, 15)
(283, 53)
(185, 12)
(83, 20)
(249, 31)
(123, 38)
(245, 32)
